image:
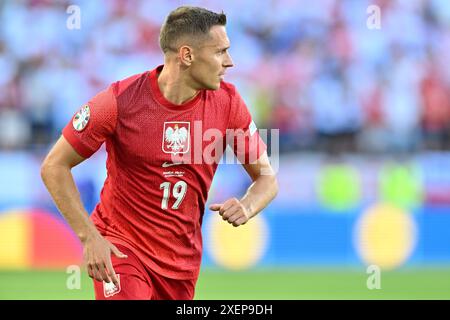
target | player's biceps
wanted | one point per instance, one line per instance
(62, 154)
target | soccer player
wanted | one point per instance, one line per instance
(143, 239)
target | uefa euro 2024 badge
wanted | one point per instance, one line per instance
(81, 118)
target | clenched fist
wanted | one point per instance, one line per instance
(232, 211)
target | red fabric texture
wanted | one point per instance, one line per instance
(133, 118)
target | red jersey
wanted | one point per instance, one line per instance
(153, 198)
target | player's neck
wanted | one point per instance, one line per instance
(174, 87)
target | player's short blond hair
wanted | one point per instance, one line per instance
(188, 23)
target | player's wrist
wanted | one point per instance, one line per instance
(87, 235)
(248, 208)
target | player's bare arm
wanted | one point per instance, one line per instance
(57, 177)
(260, 193)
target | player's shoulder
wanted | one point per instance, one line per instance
(129, 82)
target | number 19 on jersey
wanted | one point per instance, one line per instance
(178, 192)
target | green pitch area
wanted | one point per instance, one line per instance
(433, 283)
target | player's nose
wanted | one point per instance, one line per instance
(228, 62)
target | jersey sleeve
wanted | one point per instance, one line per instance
(93, 123)
(245, 140)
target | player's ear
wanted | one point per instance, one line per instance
(186, 55)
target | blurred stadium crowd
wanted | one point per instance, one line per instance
(313, 69)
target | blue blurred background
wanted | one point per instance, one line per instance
(363, 115)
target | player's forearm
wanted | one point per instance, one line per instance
(260, 193)
(59, 181)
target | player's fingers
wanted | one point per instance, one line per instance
(230, 203)
(240, 221)
(230, 212)
(234, 217)
(90, 271)
(225, 208)
(112, 273)
(94, 272)
(101, 271)
(90, 265)
(215, 207)
(117, 252)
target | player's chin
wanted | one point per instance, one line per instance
(213, 85)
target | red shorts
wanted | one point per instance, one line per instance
(137, 282)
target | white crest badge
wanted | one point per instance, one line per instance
(109, 289)
(81, 118)
(176, 137)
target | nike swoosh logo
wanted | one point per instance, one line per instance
(167, 164)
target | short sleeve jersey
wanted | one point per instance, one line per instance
(161, 159)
